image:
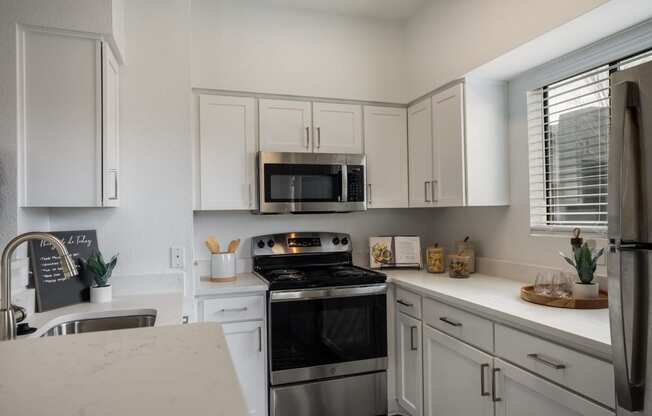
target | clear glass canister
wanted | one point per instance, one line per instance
(459, 265)
(466, 248)
(435, 259)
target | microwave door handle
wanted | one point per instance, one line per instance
(345, 183)
(626, 266)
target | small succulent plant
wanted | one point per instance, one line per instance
(585, 262)
(101, 270)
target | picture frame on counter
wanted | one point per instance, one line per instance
(395, 252)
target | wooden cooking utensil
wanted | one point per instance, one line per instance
(233, 245)
(213, 245)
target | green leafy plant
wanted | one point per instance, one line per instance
(585, 262)
(101, 270)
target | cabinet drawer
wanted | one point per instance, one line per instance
(242, 308)
(459, 324)
(409, 303)
(587, 375)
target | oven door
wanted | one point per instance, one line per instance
(305, 182)
(320, 333)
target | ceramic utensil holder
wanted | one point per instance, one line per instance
(223, 267)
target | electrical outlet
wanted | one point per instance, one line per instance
(177, 257)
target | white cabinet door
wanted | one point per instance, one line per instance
(227, 147)
(457, 377)
(285, 126)
(519, 393)
(110, 128)
(337, 128)
(448, 139)
(409, 383)
(246, 341)
(385, 142)
(420, 153)
(60, 119)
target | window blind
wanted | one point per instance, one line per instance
(568, 130)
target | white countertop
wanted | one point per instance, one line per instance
(244, 283)
(499, 300)
(159, 371)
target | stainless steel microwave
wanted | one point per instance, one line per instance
(310, 182)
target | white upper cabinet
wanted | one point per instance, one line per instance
(285, 126)
(448, 147)
(420, 154)
(227, 152)
(457, 377)
(110, 128)
(68, 120)
(337, 128)
(458, 151)
(385, 143)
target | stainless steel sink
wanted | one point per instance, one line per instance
(79, 326)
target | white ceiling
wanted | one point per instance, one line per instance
(381, 9)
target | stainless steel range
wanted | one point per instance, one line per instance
(327, 323)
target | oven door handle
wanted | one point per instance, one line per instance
(334, 292)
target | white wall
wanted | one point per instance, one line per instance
(503, 232)
(228, 226)
(248, 45)
(447, 39)
(155, 147)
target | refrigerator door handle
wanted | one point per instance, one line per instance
(626, 265)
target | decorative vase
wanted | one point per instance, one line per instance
(101, 294)
(585, 290)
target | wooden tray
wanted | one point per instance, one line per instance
(601, 302)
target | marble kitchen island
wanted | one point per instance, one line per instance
(166, 370)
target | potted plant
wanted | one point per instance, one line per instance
(585, 263)
(101, 291)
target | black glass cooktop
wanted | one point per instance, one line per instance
(304, 277)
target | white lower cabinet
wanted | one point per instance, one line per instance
(246, 341)
(243, 321)
(519, 393)
(409, 383)
(456, 377)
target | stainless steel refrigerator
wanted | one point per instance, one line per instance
(629, 260)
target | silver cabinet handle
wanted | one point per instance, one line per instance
(115, 185)
(307, 137)
(318, 137)
(494, 397)
(435, 191)
(450, 321)
(425, 191)
(404, 303)
(482, 383)
(250, 198)
(260, 339)
(412, 347)
(547, 361)
(369, 193)
(243, 309)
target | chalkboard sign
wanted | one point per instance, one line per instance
(52, 289)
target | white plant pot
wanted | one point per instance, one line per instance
(585, 291)
(101, 294)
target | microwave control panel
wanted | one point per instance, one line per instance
(355, 183)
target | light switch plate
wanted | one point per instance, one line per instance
(177, 257)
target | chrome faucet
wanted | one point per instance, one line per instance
(7, 312)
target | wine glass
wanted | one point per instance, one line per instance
(542, 284)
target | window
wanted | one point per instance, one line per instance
(568, 138)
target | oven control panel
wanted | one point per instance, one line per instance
(300, 242)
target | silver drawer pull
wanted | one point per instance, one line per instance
(412, 346)
(404, 303)
(450, 321)
(243, 309)
(547, 361)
